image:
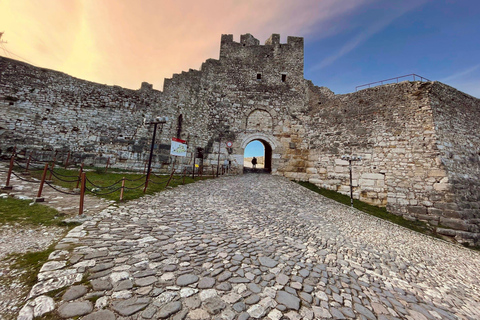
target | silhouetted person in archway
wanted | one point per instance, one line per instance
(254, 162)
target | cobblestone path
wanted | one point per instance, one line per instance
(252, 246)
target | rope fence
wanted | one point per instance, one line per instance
(84, 184)
(61, 191)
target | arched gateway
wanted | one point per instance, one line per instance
(268, 143)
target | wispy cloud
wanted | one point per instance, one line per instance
(367, 33)
(461, 74)
(124, 42)
(467, 80)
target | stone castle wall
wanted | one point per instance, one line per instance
(420, 157)
(391, 129)
(456, 116)
(47, 110)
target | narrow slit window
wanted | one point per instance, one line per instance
(259, 76)
(179, 126)
(284, 77)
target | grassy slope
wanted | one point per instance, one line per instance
(382, 213)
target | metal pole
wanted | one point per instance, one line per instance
(53, 165)
(193, 171)
(151, 155)
(351, 184)
(219, 146)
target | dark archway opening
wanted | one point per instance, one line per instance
(262, 151)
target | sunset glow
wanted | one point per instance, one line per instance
(126, 42)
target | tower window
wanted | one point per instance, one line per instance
(259, 76)
(179, 126)
(284, 77)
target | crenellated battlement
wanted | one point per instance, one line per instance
(249, 40)
(272, 64)
(250, 63)
(248, 43)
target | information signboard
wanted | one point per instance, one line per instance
(178, 148)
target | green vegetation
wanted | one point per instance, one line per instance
(30, 264)
(22, 211)
(108, 185)
(382, 213)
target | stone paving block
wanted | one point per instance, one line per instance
(75, 309)
(279, 257)
(74, 292)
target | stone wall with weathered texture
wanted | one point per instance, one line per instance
(249, 93)
(46, 110)
(456, 116)
(391, 128)
(420, 157)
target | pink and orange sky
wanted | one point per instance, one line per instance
(347, 43)
(126, 42)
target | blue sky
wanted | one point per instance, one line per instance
(347, 43)
(254, 149)
(439, 40)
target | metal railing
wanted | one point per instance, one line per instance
(413, 76)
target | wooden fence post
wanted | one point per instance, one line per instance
(171, 175)
(28, 162)
(40, 189)
(9, 174)
(121, 190)
(106, 167)
(82, 194)
(68, 158)
(184, 174)
(79, 176)
(51, 170)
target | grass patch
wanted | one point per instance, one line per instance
(23, 212)
(30, 264)
(107, 185)
(379, 212)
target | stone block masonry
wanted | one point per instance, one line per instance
(421, 158)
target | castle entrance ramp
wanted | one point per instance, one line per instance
(256, 246)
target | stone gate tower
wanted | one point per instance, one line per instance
(249, 94)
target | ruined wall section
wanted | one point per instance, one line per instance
(456, 117)
(391, 127)
(48, 110)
